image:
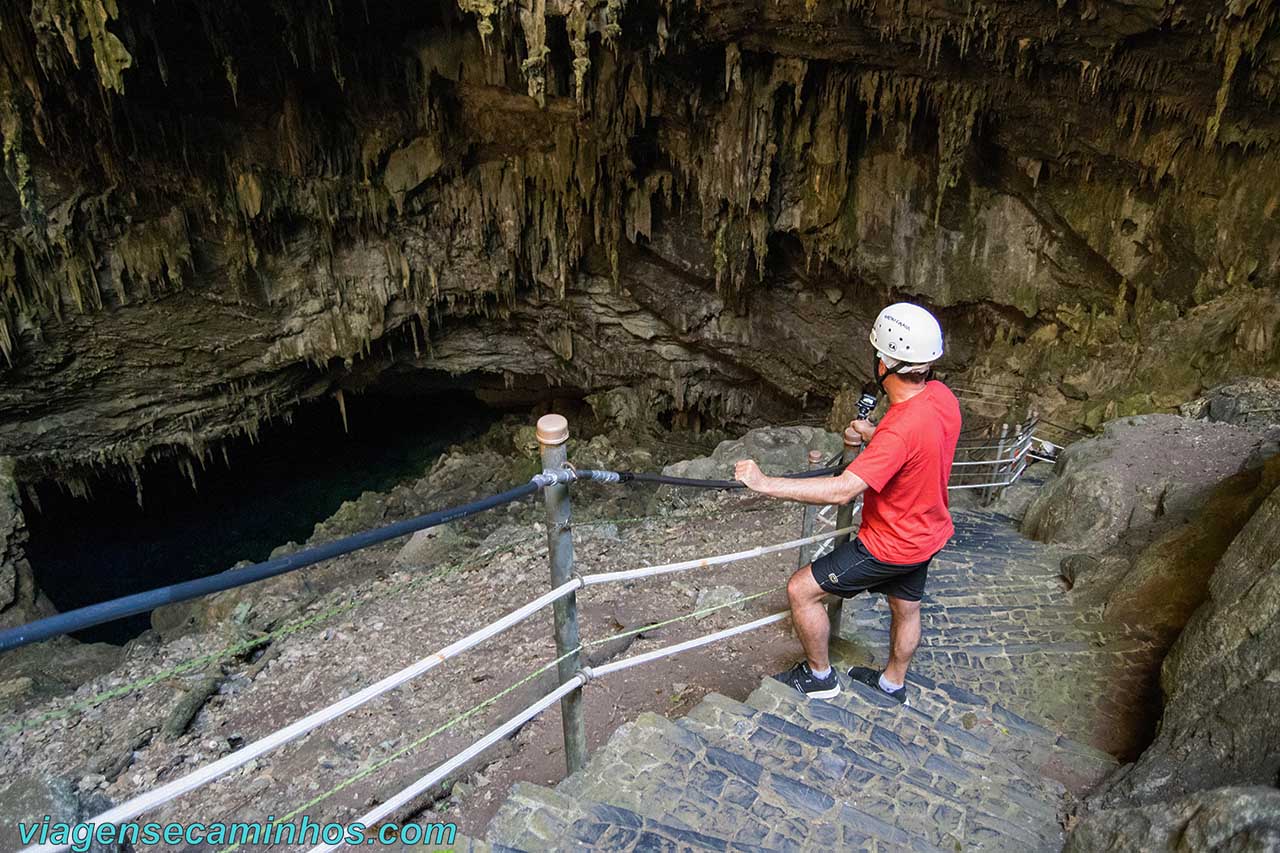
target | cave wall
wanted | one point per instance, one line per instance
(20, 601)
(215, 212)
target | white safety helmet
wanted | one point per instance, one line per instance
(906, 334)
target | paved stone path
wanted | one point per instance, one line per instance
(1011, 686)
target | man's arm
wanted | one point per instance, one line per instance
(812, 490)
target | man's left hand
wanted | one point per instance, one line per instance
(748, 473)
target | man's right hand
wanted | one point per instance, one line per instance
(864, 428)
(748, 473)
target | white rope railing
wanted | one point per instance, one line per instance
(425, 783)
(667, 568)
(198, 778)
(1017, 475)
(667, 651)
(410, 792)
(204, 775)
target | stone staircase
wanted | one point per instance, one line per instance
(998, 621)
(964, 767)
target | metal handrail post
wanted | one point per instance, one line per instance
(1017, 449)
(990, 495)
(809, 517)
(844, 518)
(553, 432)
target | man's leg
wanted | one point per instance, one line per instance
(810, 618)
(904, 636)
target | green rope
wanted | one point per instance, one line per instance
(444, 727)
(703, 612)
(230, 651)
(470, 712)
(178, 669)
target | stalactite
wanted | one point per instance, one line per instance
(533, 21)
(576, 25)
(461, 217)
(957, 115)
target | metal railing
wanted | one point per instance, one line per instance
(1012, 454)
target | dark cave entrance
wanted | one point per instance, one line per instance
(91, 549)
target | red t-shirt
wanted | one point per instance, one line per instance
(906, 466)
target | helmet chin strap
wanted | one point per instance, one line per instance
(893, 371)
(881, 377)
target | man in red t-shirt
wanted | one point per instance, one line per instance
(903, 474)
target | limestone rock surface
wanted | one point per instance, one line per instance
(63, 800)
(1254, 401)
(211, 216)
(1138, 471)
(20, 600)
(1221, 680)
(778, 450)
(1233, 818)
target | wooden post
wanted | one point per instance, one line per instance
(553, 432)
(809, 517)
(844, 518)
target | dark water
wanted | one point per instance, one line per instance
(88, 550)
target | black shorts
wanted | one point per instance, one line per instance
(850, 569)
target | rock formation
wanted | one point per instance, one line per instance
(20, 601)
(1223, 819)
(1221, 680)
(1151, 504)
(215, 212)
(1176, 520)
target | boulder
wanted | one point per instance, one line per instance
(1221, 681)
(1244, 599)
(1138, 471)
(1169, 578)
(1220, 819)
(778, 450)
(718, 596)
(431, 546)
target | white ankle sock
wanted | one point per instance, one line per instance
(826, 673)
(888, 686)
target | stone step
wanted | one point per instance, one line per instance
(994, 538)
(942, 585)
(918, 738)
(978, 650)
(1078, 766)
(995, 601)
(941, 635)
(859, 617)
(1090, 668)
(1078, 700)
(946, 802)
(674, 777)
(993, 655)
(1048, 609)
(539, 819)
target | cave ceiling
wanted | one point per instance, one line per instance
(214, 212)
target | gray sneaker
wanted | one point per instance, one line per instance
(871, 678)
(802, 679)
